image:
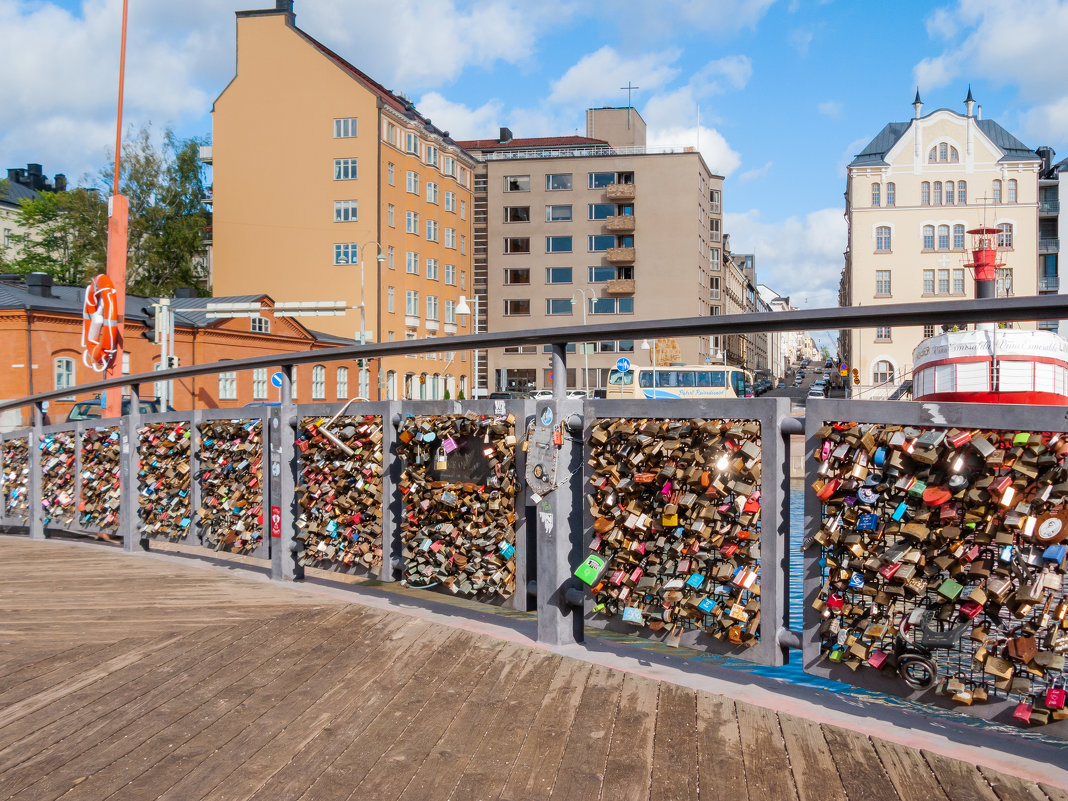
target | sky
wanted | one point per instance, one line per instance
(778, 94)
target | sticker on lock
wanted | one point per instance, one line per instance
(543, 453)
(590, 571)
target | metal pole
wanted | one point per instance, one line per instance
(129, 430)
(33, 499)
(280, 483)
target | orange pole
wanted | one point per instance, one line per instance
(118, 219)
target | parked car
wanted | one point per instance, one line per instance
(817, 392)
(542, 394)
(577, 393)
(92, 410)
(506, 395)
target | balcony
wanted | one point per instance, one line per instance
(716, 207)
(1049, 207)
(619, 286)
(432, 325)
(1049, 245)
(1048, 283)
(450, 328)
(411, 321)
(620, 191)
(623, 224)
(205, 154)
(620, 255)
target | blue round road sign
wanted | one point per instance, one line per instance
(276, 380)
(622, 365)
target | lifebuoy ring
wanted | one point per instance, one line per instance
(100, 324)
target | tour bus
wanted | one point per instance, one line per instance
(688, 381)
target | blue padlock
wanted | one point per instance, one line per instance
(856, 581)
(868, 522)
(1006, 554)
(899, 512)
(1054, 553)
(695, 580)
(507, 549)
(879, 459)
(706, 606)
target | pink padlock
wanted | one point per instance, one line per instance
(877, 658)
(1055, 694)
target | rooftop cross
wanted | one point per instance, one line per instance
(629, 89)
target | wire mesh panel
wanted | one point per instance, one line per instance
(231, 484)
(935, 554)
(16, 477)
(58, 492)
(99, 485)
(684, 523)
(462, 517)
(164, 480)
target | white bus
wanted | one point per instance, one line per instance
(688, 381)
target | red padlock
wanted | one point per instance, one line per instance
(1023, 711)
(1055, 694)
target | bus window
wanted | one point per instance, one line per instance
(645, 379)
(719, 378)
(667, 378)
(738, 383)
(686, 378)
(625, 379)
(704, 379)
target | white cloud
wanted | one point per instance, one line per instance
(942, 24)
(718, 155)
(721, 75)
(799, 257)
(459, 120)
(800, 39)
(830, 108)
(600, 74)
(750, 175)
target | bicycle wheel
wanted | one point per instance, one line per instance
(918, 672)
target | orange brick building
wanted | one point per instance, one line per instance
(40, 349)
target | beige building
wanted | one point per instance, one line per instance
(911, 196)
(320, 175)
(574, 230)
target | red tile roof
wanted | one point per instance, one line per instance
(539, 142)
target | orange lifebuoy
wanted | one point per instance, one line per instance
(100, 324)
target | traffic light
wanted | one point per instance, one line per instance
(151, 332)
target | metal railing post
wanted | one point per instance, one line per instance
(192, 535)
(78, 435)
(392, 502)
(34, 498)
(129, 467)
(279, 485)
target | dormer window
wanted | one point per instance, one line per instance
(943, 153)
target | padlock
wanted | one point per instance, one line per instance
(1055, 693)
(1023, 711)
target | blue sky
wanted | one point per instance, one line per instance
(788, 91)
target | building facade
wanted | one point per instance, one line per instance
(327, 186)
(1051, 221)
(911, 196)
(577, 230)
(23, 183)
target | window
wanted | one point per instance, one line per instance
(928, 282)
(259, 325)
(391, 213)
(891, 194)
(519, 214)
(601, 242)
(1005, 236)
(463, 280)
(411, 222)
(432, 230)
(432, 155)
(346, 253)
(882, 372)
(432, 269)
(431, 192)
(557, 244)
(958, 282)
(344, 211)
(925, 194)
(411, 142)
(558, 306)
(517, 183)
(463, 244)
(1012, 191)
(949, 193)
(599, 180)
(411, 262)
(943, 152)
(598, 275)
(882, 283)
(391, 258)
(228, 386)
(450, 201)
(611, 305)
(450, 274)
(345, 128)
(713, 285)
(943, 282)
(962, 192)
(450, 238)
(714, 229)
(997, 191)
(64, 373)
(1003, 282)
(882, 333)
(937, 198)
(344, 169)
(943, 237)
(463, 216)
(714, 259)
(391, 174)
(412, 182)
(411, 303)
(882, 237)
(928, 237)
(558, 275)
(517, 244)
(928, 331)
(450, 311)
(875, 194)
(342, 383)
(516, 308)
(560, 213)
(318, 382)
(259, 383)
(391, 133)
(431, 307)
(390, 293)
(516, 275)
(602, 211)
(958, 237)
(557, 182)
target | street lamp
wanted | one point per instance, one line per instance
(585, 349)
(462, 309)
(646, 346)
(364, 380)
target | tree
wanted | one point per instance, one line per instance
(825, 353)
(65, 236)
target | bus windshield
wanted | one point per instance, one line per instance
(618, 378)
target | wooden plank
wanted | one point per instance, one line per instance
(675, 771)
(1054, 793)
(720, 769)
(490, 767)
(533, 773)
(628, 769)
(1011, 788)
(815, 774)
(764, 755)
(859, 767)
(442, 768)
(908, 772)
(959, 780)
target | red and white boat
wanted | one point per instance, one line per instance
(991, 364)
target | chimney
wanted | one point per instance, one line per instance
(1046, 153)
(61, 182)
(286, 6)
(979, 113)
(505, 137)
(39, 285)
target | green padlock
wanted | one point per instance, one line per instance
(590, 570)
(950, 590)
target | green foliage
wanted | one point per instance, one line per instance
(448, 395)
(460, 395)
(825, 353)
(65, 236)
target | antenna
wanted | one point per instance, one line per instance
(629, 89)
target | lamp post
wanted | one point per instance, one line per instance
(462, 309)
(585, 349)
(646, 346)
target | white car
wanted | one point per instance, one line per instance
(816, 392)
(543, 394)
(577, 393)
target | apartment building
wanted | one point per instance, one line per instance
(591, 229)
(1050, 224)
(328, 186)
(911, 196)
(23, 183)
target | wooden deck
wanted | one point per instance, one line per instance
(136, 678)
